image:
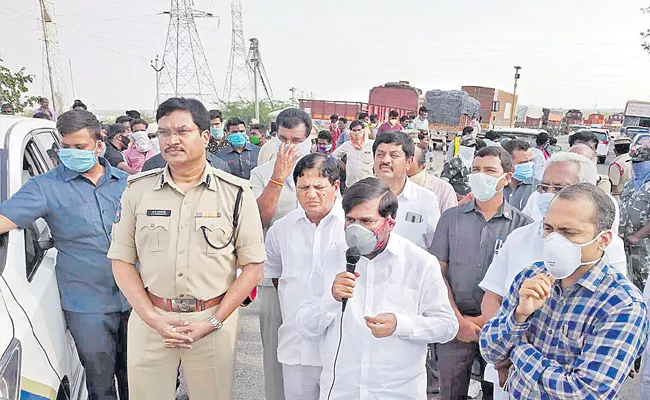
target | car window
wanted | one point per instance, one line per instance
(643, 140)
(48, 144)
(601, 135)
(34, 164)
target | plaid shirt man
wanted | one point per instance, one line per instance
(580, 345)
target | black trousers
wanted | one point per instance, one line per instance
(455, 361)
(101, 344)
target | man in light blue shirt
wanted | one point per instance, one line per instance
(79, 200)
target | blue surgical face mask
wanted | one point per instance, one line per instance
(217, 133)
(523, 172)
(237, 139)
(78, 160)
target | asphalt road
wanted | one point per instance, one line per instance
(249, 374)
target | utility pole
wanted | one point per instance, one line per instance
(254, 59)
(293, 94)
(71, 78)
(53, 78)
(239, 77)
(514, 97)
(157, 68)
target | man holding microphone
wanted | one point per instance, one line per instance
(397, 304)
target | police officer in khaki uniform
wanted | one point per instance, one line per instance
(620, 169)
(190, 226)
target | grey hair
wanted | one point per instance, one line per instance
(588, 172)
(605, 211)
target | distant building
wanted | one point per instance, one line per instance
(496, 105)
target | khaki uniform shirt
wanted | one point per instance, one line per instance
(618, 164)
(164, 229)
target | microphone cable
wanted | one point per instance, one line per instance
(336, 358)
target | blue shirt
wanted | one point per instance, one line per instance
(80, 216)
(581, 344)
(242, 163)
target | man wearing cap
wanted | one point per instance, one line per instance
(620, 169)
(635, 217)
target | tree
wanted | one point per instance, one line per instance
(245, 110)
(13, 86)
(646, 35)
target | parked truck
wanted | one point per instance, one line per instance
(449, 112)
(320, 110)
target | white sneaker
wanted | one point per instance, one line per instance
(474, 389)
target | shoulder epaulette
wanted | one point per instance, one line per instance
(145, 174)
(232, 179)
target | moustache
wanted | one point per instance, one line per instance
(386, 165)
(173, 148)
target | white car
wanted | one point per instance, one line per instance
(39, 358)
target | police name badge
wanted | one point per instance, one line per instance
(159, 213)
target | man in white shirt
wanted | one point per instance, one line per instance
(418, 213)
(397, 303)
(295, 244)
(524, 246)
(421, 123)
(359, 155)
(276, 196)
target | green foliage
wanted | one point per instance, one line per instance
(245, 110)
(646, 35)
(13, 86)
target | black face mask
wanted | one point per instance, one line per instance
(125, 140)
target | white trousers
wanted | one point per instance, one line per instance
(301, 382)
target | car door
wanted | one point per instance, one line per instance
(30, 275)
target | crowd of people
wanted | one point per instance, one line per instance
(517, 268)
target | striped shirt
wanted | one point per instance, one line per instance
(581, 344)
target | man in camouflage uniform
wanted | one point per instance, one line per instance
(635, 217)
(456, 172)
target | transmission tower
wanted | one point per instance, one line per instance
(53, 78)
(239, 78)
(259, 74)
(186, 72)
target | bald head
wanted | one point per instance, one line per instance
(584, 151)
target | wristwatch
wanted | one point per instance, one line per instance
(216, 324)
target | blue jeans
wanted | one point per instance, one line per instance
(101, 344)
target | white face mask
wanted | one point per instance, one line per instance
(484, 187)
(304, 148)
(142, 141)
(562, 257)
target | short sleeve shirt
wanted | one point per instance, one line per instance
(174, 234)
(360, 162)
(467, 243)
(80, 217)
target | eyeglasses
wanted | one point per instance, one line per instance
(182, 133)
(544, 188)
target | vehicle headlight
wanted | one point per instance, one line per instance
(10, 371)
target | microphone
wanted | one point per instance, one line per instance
(352, 256)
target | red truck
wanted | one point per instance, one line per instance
(320, 110)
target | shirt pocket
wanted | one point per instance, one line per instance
(397, 299)
(571, 341)
(215, 234)
(156, 230)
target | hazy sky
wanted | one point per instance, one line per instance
(574, 53)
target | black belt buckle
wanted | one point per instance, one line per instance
(183, 305)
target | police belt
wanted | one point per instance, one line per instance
(184, 305)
